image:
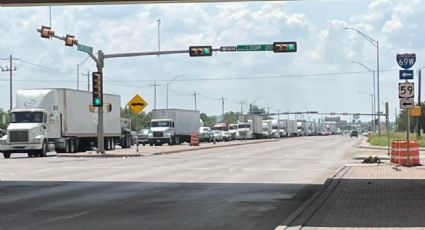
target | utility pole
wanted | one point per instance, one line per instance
(154, 94)
(10, 69)
(194, 96)
(222, 106)
(240, 116)
(159, 35)
(418, 122)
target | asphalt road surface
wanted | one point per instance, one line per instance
(242, 187)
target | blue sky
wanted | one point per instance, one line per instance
(305, 80)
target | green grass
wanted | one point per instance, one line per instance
(374, 139)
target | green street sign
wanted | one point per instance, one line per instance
(258, 47)
(86, 49)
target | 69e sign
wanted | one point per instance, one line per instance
(406, 90)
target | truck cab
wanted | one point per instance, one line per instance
(28, 131)
(162, 131)
(244, 131)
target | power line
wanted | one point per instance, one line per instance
(331, 74)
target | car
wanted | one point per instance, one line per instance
(142, 136)
(354, 133)
(217, 135)
(205, 134)
(227, 136)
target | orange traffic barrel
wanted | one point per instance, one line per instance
(406, 154)
(194, 139)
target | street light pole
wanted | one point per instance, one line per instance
(78, 71)
(374, 100)
(168, 84)
(376, 44)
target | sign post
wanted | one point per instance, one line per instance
(406, 90)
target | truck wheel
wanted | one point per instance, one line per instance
(72, 146)
(44, 149)
(151, 144)
(6, 155)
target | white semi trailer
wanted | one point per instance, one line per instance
(60, 120)
(173, 126)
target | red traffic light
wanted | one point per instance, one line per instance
(284, 47)
(46, 32)
(199, 51)
(70, 40)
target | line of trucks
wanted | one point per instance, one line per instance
(59, 120)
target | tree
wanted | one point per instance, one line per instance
(402, 120)
(231, 117)
(4, 119)
(138, 121)
(209, 121)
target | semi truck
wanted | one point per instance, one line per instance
(60, 120)
(173, 126)
(290, 127)
(250, 128)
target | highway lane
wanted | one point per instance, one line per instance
(242, 187)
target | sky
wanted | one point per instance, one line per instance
(321, 76)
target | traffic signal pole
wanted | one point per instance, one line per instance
(70, 40)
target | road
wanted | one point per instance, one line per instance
(242, 187)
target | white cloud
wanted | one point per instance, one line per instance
(323, 47)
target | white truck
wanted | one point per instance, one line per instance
(290, 127)
(251, 129)
(58, 119)
(267, 129)
(173, 126)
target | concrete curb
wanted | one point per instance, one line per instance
(382, 148)
(106, 155)
(309, 203)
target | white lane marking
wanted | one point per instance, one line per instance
(282, 169)
(78, 167)
(196, 168)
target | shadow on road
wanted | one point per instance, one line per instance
(147, 205)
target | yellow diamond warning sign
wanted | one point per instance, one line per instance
(137, 104)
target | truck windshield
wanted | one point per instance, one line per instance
(244, 126)
(160, 124)
(27, 117)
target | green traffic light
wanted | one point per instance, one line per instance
(97, 101)
(206, 50)
(291, 47)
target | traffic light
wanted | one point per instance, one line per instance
(46, 32)
(70, 40)
(97, 89)
(199, 51)
(284, 47)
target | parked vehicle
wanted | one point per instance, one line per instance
(256, 126)
(291, 127)
(173, 126)
(58, 119)
(205, 134)
(244, 131)
(282, 129)
(142, 136)
(217, 135)
(226, 135)
(267, 129)
(275, 129)
(233, 129)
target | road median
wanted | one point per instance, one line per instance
(162, 150)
